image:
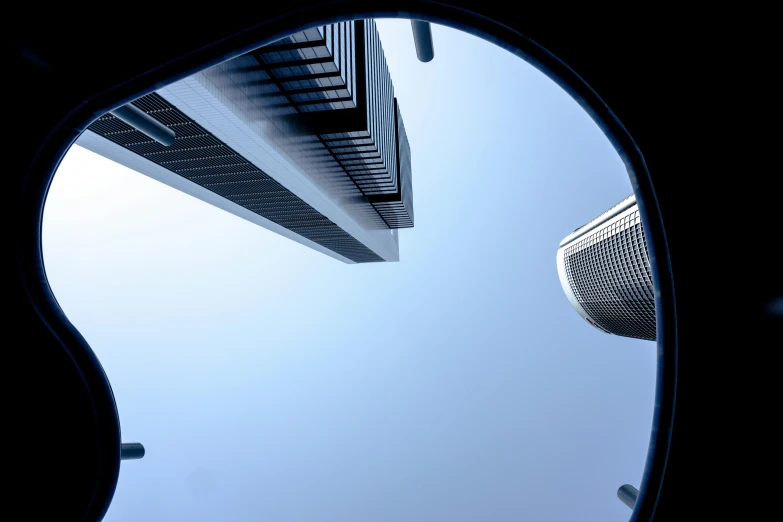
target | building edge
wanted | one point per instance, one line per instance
(120, 155)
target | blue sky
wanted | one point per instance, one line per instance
(270, 382)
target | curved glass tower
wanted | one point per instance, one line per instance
(604, 269)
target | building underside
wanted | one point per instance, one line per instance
(305, 133)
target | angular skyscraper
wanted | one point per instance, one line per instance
(303, 136)
(604, 268)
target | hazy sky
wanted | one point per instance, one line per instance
(269, 382)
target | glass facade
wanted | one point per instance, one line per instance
(313, 69)
(203, 159)
(324, 99)
(608, 275)
(336, 82)
(397, 208)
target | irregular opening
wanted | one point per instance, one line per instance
(271, 377)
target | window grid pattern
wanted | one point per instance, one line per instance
(202, 158)
(381, 177)
(397, 210)
(610, 275)
(323, 71)
(315, 68)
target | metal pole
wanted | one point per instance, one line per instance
(146, 124)
(131, 450)
(628, 495)
(422, 37)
